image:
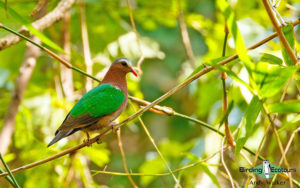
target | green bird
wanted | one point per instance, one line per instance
(99, 107)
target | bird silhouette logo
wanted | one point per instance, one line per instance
(267, 168)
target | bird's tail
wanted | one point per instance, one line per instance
(61, 134)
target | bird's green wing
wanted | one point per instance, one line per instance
(96, 103)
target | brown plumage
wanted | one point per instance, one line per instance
(115, 77)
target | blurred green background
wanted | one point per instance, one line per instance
(166, 64)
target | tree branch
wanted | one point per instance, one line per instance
(280, 33)
(40, 24)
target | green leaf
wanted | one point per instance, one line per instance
(288, 32)
(272, 59)
(210, 174)
(237, 37)
(297, 79)
(231, 74)
(202, 66)
(280, 77)
(197, 69)
(34, 31)
(291, 106)
(229, 108)
(248, 122)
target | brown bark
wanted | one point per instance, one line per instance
(66, 74)
(25, 72)
(40, 24)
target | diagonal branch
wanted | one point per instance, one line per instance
(40, 24)
(280, 33)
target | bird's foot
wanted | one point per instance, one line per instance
(113, 127)
(87, 141)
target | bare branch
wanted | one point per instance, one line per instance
(280, 33)
(156, 148)
(224, 164)
(40, 24)
(124, 158)
(140, 61)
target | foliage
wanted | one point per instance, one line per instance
(255, 83)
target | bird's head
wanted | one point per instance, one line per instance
(123, 65)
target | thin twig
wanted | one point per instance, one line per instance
(279, 142)
(159, 174)
(46, 21)
(15, 183)
(266, 133)
(280, 33)
(140, 61)
(224, 164)
(245, 157)
(230, 139)
(124, 158)
(155, 146)
(286, 150)
(7, 177)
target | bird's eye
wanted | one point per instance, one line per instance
(123, 63)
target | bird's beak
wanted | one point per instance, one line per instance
(133, 72)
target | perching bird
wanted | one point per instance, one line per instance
(100, 106)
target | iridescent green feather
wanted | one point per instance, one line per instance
(101, 100)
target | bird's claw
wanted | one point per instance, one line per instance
(113, 127)
(87, 142)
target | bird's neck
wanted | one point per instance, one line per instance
(116, 78)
